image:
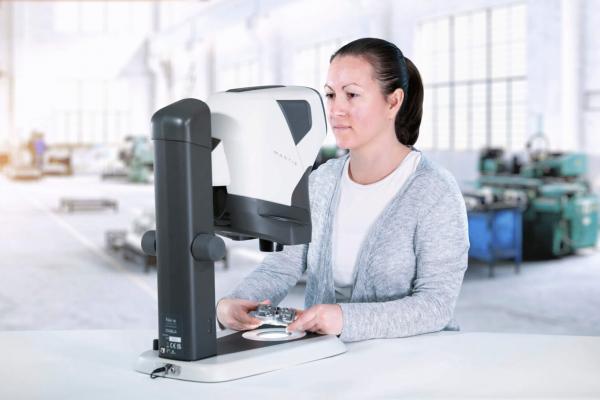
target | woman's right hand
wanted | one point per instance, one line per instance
(233, 314)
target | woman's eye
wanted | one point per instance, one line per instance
(329, 95)
(351, 95)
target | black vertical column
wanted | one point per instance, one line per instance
(184, 212)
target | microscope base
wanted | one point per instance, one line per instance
(241, 364)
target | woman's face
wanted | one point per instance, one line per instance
(358, 111)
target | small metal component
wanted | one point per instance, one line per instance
(271, 315)
(173, 370)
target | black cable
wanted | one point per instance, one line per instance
(165, 369)
(156, 371)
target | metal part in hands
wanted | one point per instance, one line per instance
(270, 315)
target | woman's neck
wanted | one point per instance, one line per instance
(370, 165)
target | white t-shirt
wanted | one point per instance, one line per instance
(358, 207)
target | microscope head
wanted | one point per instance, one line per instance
(265, 141)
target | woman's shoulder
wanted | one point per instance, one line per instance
(329, 171)
(434, 178)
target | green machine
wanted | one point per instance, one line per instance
(560, 212)
(140, 160)
(327, 152)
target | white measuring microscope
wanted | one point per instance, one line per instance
(237, 166)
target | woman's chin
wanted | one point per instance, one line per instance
(343, 144)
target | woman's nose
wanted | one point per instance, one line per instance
(336, 108)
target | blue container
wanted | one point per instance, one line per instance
(496, 234)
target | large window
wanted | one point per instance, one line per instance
(242, 74)
(93, 112)
(100, 17)
(310, 64)
(473, 67)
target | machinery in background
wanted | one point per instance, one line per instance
(57, 161)
(495, 228)
(127, 242)
(20, 166)
(135, 161)
(560, 213)
(326, 153)
(25, 164)
(73, 204)
(4, 159)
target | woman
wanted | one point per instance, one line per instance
(389, 242)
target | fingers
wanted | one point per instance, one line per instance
(305, 325)
(248, 304)
(303, 320)
(243, 321)
(312, 325)
(253, 305)
(233, 313)
(294, 325)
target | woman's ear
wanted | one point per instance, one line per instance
(395, 100)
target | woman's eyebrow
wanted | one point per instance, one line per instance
(349, 84)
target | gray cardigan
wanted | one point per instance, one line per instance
(409, 268)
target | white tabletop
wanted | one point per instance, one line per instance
(99, 365)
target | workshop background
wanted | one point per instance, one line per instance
(512, 109)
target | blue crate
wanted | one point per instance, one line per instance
(496, 234)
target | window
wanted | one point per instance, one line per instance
(473, 67)
(98, 17)
(310, 64)
(304, 67)
(93, 111)
(241, 74)
(92, 17)
(309, 68)
(66, 17)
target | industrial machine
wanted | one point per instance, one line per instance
(495, 227)
(135, 161)
(4, 158)
(128, 242)
(21, 166)
(560, 212)
(57, 161)
(237, 165)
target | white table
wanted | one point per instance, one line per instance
(99, 365)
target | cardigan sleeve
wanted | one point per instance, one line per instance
(274, 277)
(441, 249)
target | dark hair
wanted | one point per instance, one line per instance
(393, 71)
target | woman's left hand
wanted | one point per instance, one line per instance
(325, 319)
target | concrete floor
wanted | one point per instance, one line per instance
(56, 273)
